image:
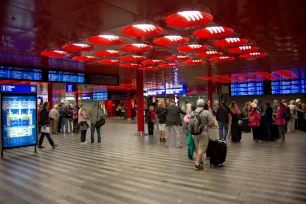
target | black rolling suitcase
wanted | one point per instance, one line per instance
(217, 151)
(236, 133)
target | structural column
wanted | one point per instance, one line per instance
(50, 94)
(209, 87)
(140, 102)
(129, 105)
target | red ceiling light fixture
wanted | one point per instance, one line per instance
(222, 59)
(169, 65)
(171, 40)
(243, 49)
(85, 58)
(213, 32)
(209, 54)
(54, 53)
(148, 68)
(77, 47)
(185, 19)
(178, 58)
(106, 40)
(253, 55)
(194, 62)
(230, 42)
(142, 30)
(130, 66)
(152, 62)
(132, 58)
(137, 48)
(108, 53)
(110, 62)
(192, 48)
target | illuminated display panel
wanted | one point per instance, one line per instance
(247, 89)
(289, 87)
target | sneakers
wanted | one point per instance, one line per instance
(198, 167)
(83, 143)
(55, 145)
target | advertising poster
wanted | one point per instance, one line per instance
(18, 121)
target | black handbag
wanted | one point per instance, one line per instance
(100, 122)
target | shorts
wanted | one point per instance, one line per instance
(162, 127)
(202, 141)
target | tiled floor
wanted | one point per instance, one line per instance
(129, 169)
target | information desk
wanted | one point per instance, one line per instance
(18, 116)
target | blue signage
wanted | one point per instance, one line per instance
(61, 76)
(247, 89)
(182, 89)
(18, 121)
(289, 87)
(100, 96)
(20, 73)
(70, 88)
(86, 96)
(18, 89)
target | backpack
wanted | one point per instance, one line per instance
(196, 124)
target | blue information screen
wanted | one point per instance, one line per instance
(86, 96)
(61, 76)
(247, 89)
(18, 121)
(289, 87)
(70, 88)
(20, 73)
(100, 96)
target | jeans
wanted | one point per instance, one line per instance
(151, 128)
(41, 139)
(64, 124)
(83, 135)
(93, 128)
(70, 124)
(281, 131)
(177, 134)
(222, 135)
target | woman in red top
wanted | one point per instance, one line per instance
(254, 122)
(280, 121)
(151, 120)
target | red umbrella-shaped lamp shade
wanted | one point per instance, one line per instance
(192, 48)
(108, 53)
(209, 54)
(222, 59)
(137, 48)
(130, 66)
(169, 65)
(152, 62)
(85, 58)
(253, 55)
(188, 19)
(243, 49)
(132, 58)
(77, 47)
(178, 58)
(213, 32)
(142, 30)
(106, 40)
(148, 68)
(109, 62)
(194, 62)
(54, 53)
(230, 42)
(171, 40)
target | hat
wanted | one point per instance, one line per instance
(298, 100)
(200, 103)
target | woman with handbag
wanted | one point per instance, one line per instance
(83, 123)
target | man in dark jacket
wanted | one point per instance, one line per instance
(222, 118)
(45, 129)
(64, 116)
(162, 121)
(268, 119)
(173, 120)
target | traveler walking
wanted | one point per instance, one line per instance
(222, 118)
(95, 116)
(173, 121)
(54, 117)
(83, 123)
(281, 121)
(293, 112)
(151, 118)
(254, 122)
(45, 127)
(268, 119)
(64, 118)
(162, 121)
(234, 130)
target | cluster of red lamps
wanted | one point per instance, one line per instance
(184, 19)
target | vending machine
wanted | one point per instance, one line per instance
(18, 116)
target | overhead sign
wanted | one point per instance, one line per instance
(18, 89)
(170, 91)
(86, 96)
(70, 88)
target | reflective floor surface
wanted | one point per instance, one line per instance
(127, 169)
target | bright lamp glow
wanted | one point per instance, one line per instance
(191, 15)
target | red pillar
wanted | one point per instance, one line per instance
(129, 105)
(76, 95)
(50, 93)
(140, 101)
(209, 87)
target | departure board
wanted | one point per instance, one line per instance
(247, 89)
(289, 87)
(20, 73)
(70, 77)
(100, 96)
